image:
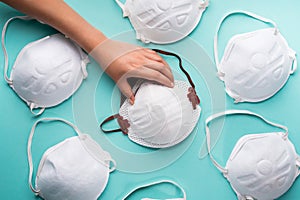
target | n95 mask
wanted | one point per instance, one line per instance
(261, 166)
(46, 72)
(255, 65)
(163, 21)
(160, 117)
(74, 169)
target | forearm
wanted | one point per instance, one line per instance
(59, 15)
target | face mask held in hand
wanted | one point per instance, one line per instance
(161, 117)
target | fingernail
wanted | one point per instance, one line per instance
(131, 99)
(172, 84)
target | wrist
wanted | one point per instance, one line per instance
(90, 39)
(109, 50)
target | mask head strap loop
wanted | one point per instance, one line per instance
(84, 61)
(180, 64)
(123, 123)
(207, 132)
(231, 112)
(155, 183)
(32, 107)
(255, 16)
(193, 97)
(298, 164)
(295, 64)
(29, 155)
(294, 68)
(8, 79)
(114, 164)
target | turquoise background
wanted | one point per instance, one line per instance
(97, 98)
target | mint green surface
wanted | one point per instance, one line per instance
(97, 98)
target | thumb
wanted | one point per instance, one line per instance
(125, 88)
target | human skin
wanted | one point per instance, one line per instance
(140, 62)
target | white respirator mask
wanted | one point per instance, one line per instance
(261, 166)
(163, 21)
(74, 169)
(255, 65)
(47, 71)
(160, 117)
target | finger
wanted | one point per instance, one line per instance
(152, 55)
(161, 68)
(150, 74)
(168, 66)
(159, 64)
(126, 90)
(160, 59)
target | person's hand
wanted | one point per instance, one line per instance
(140, 63)
(122, 61)
(119, 60)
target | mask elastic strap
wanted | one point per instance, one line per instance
(193, 97)
(255, 16)
(231, 112)
(155, 183)
(114, 165)
(123, 123)
(84, 60)
(32, 107)
(298, 164)
(180, 64)
(294, 68)
(29, 155)
(295, 64)
(8, 79)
